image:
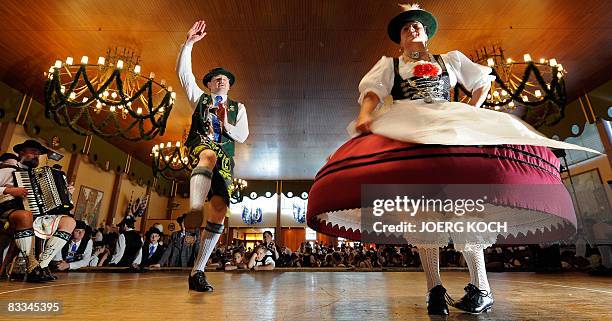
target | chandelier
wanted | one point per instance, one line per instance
(172, 161)
(533, 90)
(110, 98)
(238, 186)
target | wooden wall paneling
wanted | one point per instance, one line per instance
(114, 202)
(293, 237)
(7, 130)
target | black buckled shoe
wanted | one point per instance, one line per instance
(475, 300)
(48, 274)
(197, 282)
(37, 275)
(437, 301)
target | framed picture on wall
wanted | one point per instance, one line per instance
(88, 205)
(589, 195)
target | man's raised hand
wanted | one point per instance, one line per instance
(196, 33)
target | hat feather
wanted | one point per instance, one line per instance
(408, 7)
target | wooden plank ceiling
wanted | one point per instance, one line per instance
(297, 62)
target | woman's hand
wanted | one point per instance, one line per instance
(478, 97)
(196, 33)
(364, 122)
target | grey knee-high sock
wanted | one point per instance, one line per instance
(199, 185)
(474, 258)
(54, 245)
(430, 259)
(24, 240)
(211, 235)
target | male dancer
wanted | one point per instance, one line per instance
(216, 123)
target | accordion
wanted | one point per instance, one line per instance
(47, 191)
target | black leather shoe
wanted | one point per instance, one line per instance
(197, 282)
(437, 299)
(48, 274)
(600, 271)
(37, 275)
(475, 300)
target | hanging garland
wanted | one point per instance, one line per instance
(64, 110)
(174, 166)
(548, 110)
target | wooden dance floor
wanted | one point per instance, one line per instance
(309, 296)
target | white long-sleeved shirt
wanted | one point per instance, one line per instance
(121, 249)
(82, 262)
(238, 132)
(142, 252)
(6, 180)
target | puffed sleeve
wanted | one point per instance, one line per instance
(469, 74)
(378, 80)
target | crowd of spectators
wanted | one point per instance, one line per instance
(124, 247)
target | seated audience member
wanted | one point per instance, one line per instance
(295, 260)
(272, 249)
(182, 247)
(160, 227)
(76, 253)
(104, 250)
(152, 250)
(260, 261)
(338, 262)
(99, 237)
(236, 263)
(308, 259)
(285, 257)
(328, 261)
(128, 245)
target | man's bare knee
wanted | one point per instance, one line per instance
(67, 224)
(208, 158)
(218, 204)
(21, 218)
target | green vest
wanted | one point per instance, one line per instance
(198, 121)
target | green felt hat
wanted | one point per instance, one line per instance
(412, 13)
(218, 71)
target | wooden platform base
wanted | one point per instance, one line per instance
(309, 296)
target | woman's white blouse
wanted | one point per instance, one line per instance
(379, 79)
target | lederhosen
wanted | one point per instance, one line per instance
(437, 87)
(199, 140)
